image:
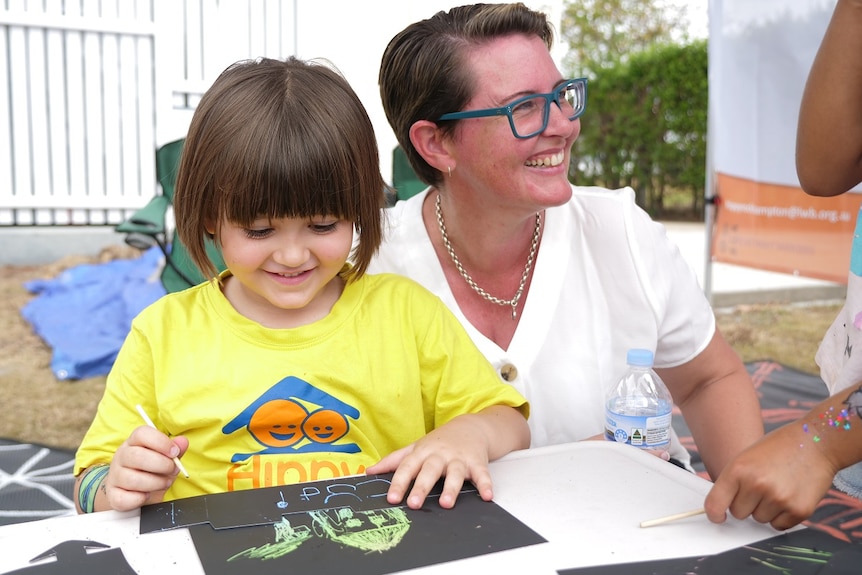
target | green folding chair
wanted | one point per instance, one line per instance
(148, 227)
(404, 179)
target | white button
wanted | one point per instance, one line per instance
(509, 372)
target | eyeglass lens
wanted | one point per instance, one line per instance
(529, 115)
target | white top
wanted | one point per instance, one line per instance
(607, 278)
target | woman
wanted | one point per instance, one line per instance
(554, 283)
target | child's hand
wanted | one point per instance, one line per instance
(442, 453)
(142, 469)
(779, 480)
(457, 451)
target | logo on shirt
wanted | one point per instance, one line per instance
(293, 416)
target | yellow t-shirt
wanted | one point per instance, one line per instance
(264, 407)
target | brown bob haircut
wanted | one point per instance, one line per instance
(279, 138)
(424, 71)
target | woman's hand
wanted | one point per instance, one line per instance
(658, 453)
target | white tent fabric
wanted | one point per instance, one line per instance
(760, 53)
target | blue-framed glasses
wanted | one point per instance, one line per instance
(528, 116)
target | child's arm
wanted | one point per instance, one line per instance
(781, 478)
(141, 471)
(459, 450)
(829, 136)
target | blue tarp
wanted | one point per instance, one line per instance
(85, 312)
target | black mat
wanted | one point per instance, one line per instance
(36, 482)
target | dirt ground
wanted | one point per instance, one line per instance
(38, 408)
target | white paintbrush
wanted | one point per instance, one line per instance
(669, 518)
(149, 422)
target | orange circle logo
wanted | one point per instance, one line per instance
(325, 426)
(278, 423)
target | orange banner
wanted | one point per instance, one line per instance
(783, 229)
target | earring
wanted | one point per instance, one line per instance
(450, 170)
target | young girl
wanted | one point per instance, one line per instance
(292, 365)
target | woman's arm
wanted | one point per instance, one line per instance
(717, 399)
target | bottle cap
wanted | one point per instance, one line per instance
(639, 357)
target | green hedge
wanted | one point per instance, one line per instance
(645, 127)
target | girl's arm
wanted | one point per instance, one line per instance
(829, 135)
(781, 478)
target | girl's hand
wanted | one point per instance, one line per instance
(142, 469)
(442, 453)
(457, 451)
(779, 480)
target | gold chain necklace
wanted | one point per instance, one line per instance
(513, 303)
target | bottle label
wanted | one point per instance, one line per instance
(647, 432)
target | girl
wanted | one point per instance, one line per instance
(291, 365)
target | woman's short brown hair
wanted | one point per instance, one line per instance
(423, 73)
(277, 139)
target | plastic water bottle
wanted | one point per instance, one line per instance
(638, 408)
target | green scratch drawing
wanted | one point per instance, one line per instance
(386, 530)
(287, 539)
(370, 531)
(789, 553)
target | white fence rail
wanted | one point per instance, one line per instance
(95, 86)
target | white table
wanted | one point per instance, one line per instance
(587, 499)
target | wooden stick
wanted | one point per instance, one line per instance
(149, 422)
(670, 518)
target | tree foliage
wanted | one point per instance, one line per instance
(645, 126)
(601, 33)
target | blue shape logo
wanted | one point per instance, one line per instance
(280, 421)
